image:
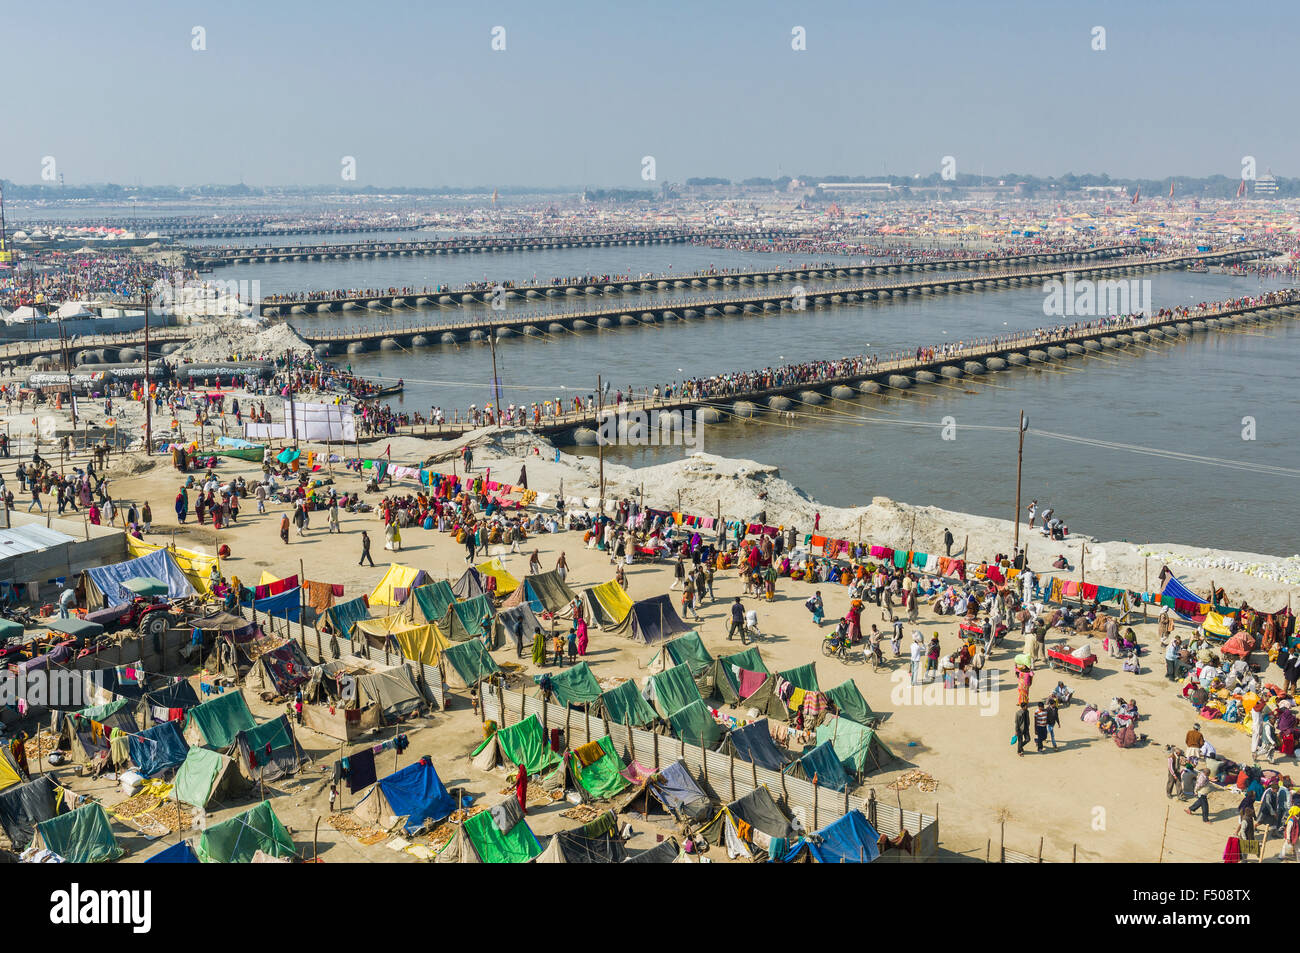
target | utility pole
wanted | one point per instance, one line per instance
(148, 398)
(1020, 459)
(496, 382)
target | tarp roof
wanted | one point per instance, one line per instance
(694, 725)
(218, 720)
(236, 841)
(672, 689)
(664, 853)
(83, 836)
(849, 702)
(859, 748)
(196, 566)
(601, 778)
(849, 840)
(434, 599)
(343, 615)
(182, 853)
(716, 683)
(470, 618)
(270, 751)
(549, 590)
(23, 806)
(574, 686)
(517, 845)
(160, 564)
(677, 790)
(803, 676)
(495, 569)
(625, 705)
(469, 585)
(282, 605)
(685, 650)
(653, 620)
(753, 742)
(823, 765)
(574, 847)
(416, 793)
(525, 743)
(470, 662)
(158, 748)
(609, 604)
(395, 585)
(392, 690)
(198, 780)
(760, 810)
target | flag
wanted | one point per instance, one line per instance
(1241, 189)
(1136, 196)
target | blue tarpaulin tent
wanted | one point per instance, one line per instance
(753, 742)
(286, 605)
(850, 840)
(104, 583)
(415, 792)
(823, 765)
(343, 615)
(181, 853)
(158, 748)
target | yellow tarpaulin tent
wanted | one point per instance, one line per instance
(613, 600)
(196, 566)
(9, 775)
(506, 583)
(1217, 624)
(397, 577)
(423, 643)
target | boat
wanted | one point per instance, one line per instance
(389, 391)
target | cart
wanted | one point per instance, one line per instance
(1058, 658)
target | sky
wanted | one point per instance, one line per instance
(583, 91)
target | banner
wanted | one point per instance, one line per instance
(309, 422)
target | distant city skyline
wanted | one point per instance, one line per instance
(404, 94)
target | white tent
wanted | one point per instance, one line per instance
(25, 315)
(74, 309)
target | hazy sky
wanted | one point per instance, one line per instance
(583, 90)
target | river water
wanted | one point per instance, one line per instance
(1190, 397)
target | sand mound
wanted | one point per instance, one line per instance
(223, 340)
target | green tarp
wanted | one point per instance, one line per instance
(236, 841)
(517, 846)
(688, 650)
(525, 743)
(673, 689)
(434, 600)
(196, 778)
(601, 778)
(470, 619)
(625, 705)
(83, 836)
(550, 590)
(343, 615)
(716, 683)
(470, 660)
(574, 686)
(220, 719)
(850, 703)
(859, 748)
(750, 659)
(805, 677)
(694, 725)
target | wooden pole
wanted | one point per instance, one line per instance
(1020, 459)
(1163, 832)
(1146, 584)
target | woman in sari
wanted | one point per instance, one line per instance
(582, 636)
(539, 648)
(94, 514)
(182, 506)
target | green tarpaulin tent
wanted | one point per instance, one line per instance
(550, 590)
(694, 725)
(859, 748)
(525, 743)
(850, 704)
(236, 841)
(805, 677)
(493, 846)
(204, 776)
(470, 663)
(434, 600)
(685, 650)
(217, 721)
(750, 659)
(624, 705)
(673, 689)
(83, 836)
(470, 619)
(601, 778)
(717, 684)
(574, 686)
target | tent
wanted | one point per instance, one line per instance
(396, 585)
(469, 585)
(80, 736)
(207, 776)
(850, 704)
(23, 806)
(83, 836)
(102, 586)
(824, 765)
(182, 853)
(624, 705)
(676, 789)
(607, 604)
(521, 743)
(753, 743)
(499, 835)
(694, 724)
(575, 847)
(672, 689)
(392, 691)
(434, 600)
(859, 748)
(468, 663)
(502, 582)
(515, 621)
(685, 650)
(218, 720)
(471, 619)
(717, 684)
(573, 686)
(236, 841)
(9, 773)
(651, 620)
(196, 566)
(849, 840)
(159, 748)
(269, 751)
(80, 628)
(282, 670)
(804, 676)
(146, 586)
(669, 852)
(341, 616)
(596, 769)
(763, 815)
(766, 701)
(421, 643)
(415, 793)
(550, 591)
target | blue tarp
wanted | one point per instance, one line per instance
(181, 853)
(417, 792)
(753, 742)
(850, 840)
(676, 790)
(342, 616)
(158, 748)
(159, 564)
(823, 764)
(284, 606)
(1176, 589)
(534, 601)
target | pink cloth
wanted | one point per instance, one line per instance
(750, 682)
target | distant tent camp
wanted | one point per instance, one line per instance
(823, 765)
(182, 853)
(102, 586)
(849, 840)
(758, 810)
(236, 841)
(523, 743)
(672, 689)
(433, 600)
(850, 704)
(694, 724)
(83, 836)
(607, 604)
(651, 620)
(207, 776)
(575, 847)
(625, 705)
(502, 582)
(753, 743)
(396, 585)
(269, 751)
(499, 835)
(392, 691)
(158, 749)
(685, 650)
(469, 585)
(468, 663)
(218, 720)
(859, 748)
(573, 686)
(550, 591)
(23, 806)
(415, 793)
